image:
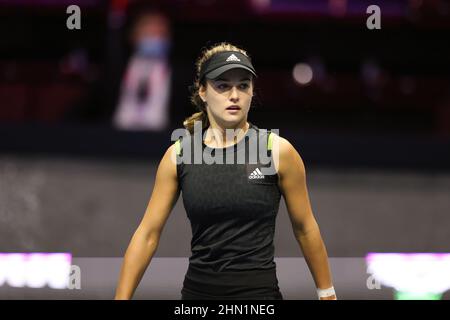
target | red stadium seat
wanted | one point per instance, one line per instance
(54, 100)
(13, 102)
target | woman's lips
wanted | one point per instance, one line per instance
(233, 109)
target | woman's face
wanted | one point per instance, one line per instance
(229, 96)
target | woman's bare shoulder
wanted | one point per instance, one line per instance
(285, 154)
(168, 161)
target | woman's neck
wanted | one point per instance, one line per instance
(222, 137)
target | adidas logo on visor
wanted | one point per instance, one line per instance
(232, 57)
(256, 174)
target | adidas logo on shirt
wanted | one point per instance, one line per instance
(256, 174)
(232, 58)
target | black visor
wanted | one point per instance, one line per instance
(224, 61)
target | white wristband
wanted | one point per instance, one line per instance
(324, 293)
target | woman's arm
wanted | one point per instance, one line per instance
(145, 239)
(292, 181)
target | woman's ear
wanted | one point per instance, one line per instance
(202, 92)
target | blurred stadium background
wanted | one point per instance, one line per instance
(368, 110)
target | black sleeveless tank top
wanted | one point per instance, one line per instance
(232, 208)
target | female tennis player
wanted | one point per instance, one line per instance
(232, 203)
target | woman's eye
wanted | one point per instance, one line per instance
(224, 86)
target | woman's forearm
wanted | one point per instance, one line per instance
(316, 257)
(136, 260)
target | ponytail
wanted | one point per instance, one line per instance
(198, 116)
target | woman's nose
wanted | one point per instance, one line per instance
(234, 94)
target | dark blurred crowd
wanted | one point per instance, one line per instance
(130, 65)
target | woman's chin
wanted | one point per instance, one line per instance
(232, 121)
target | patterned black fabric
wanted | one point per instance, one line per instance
(232, 217)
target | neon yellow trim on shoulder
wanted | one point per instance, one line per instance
(270, 141)
(178, 147)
